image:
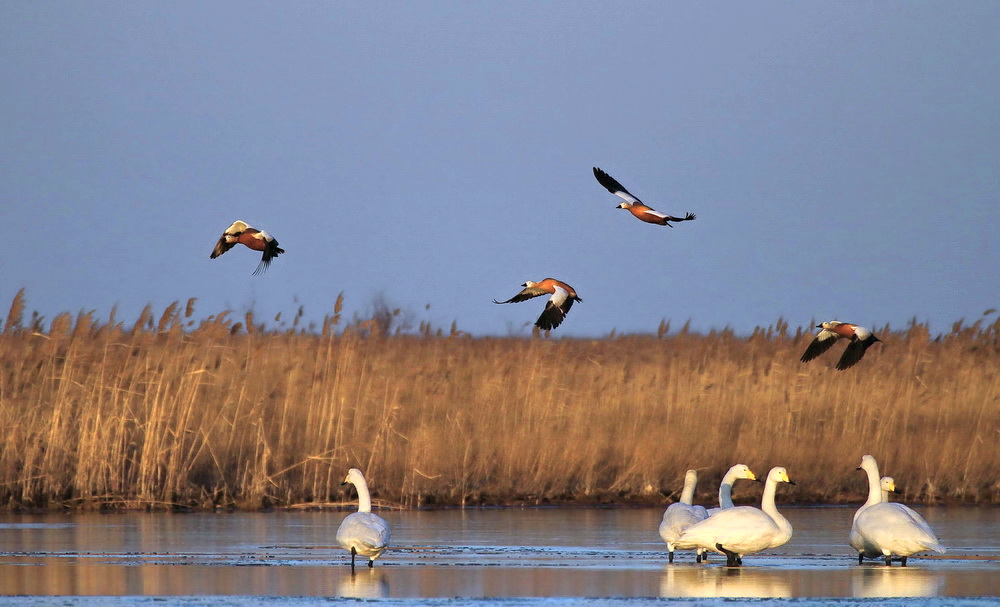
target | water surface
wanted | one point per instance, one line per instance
(472, 553)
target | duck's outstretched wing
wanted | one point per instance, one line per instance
(614, 187)
(823, 341)
(524, 295)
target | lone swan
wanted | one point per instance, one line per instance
(362, 532)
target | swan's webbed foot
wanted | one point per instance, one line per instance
(732, 559)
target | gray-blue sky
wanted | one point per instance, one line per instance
(842, 158)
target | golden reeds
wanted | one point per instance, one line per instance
(223, 413)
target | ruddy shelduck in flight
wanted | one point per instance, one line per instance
(258, 240)
(834, 330)
(556, 308)
(634, 205)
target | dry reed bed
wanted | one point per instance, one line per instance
(183, 413)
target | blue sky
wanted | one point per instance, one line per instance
(843, 158)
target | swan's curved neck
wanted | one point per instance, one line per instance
(687, 496)
(874, 486)
(726, 490)
(769, 508)
(364, 498)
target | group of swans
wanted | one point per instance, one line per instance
(734, 531)
(678, 517)
(881, 529)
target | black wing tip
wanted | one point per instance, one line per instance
(551, 317)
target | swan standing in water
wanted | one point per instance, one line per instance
(883, 528)
(681, 515)
(362, 532)
(743, 530)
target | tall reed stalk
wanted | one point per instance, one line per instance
(218, 413)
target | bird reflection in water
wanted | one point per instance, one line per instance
(896, 581)
(366, 583)
(723, 582)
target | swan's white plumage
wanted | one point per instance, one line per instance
(744, 529)
(365, 532)
(886, 529)
(681, 515)
(888, 485)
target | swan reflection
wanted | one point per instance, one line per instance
(723, 582)
(895, 581)
(366, 583)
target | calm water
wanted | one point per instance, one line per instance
(477, 553)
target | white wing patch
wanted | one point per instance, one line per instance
(627, 197)
(237, 227)
(826, 334)
(559, 297)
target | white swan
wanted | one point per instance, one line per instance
(884, 529)
(681, 515)
(726, 488)
(743, 530)
(888, 485)
(362, 532)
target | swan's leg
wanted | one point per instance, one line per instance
(353, 553)
(732, 559)
(371, 563)
(670, 558)
(704, 556)
(697, 559)
(861, 558)
(903, 561)
(888, 560)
